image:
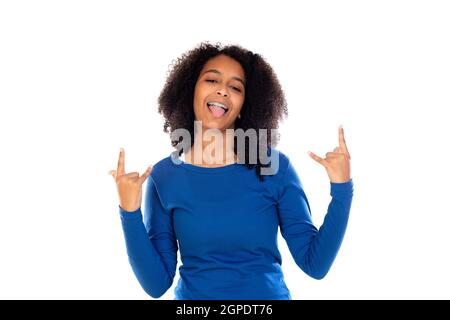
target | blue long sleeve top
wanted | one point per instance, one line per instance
(225, 221)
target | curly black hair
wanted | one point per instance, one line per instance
(264, 105)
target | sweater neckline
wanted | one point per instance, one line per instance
(192, 167)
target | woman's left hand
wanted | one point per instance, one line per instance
(337, 163)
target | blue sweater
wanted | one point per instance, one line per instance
(226, 222)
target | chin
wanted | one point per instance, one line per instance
(213, 125)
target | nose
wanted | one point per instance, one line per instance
(222, 92)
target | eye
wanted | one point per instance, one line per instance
(236, 88)
(210, 80)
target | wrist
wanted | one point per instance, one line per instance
(129, 209)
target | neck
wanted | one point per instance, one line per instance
(212, 148)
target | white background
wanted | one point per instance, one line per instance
(79, 79)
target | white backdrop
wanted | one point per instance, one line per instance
(79, 79)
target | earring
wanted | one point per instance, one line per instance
(239, 116)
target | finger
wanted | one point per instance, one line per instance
(113, 173)
(121, 163)
(132, 175)
(337, 149)
(317, 158)
(145, 174)
(342, 144)
(332, 155)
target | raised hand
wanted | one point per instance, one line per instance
(337, 163)
(129, 185)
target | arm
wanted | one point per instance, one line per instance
(313, 250)
(151, 247)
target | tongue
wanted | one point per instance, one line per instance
(217, 111)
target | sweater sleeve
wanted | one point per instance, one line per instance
(151, 244)
(313, 250)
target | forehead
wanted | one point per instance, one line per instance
(225, 65)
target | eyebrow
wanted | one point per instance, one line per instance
(218, 72)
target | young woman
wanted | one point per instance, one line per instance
(220, 208)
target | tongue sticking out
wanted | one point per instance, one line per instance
(217, 111)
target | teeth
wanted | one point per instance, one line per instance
(217, 104)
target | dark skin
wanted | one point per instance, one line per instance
(129, 185)
(222, 79)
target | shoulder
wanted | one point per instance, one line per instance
(163, 165)
(287, 173)
(163, 169)
(279, 162)
(280, 168)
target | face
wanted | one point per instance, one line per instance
(219, 93)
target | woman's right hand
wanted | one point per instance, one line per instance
(129, 185)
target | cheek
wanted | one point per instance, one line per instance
(198, 96)
(200, 93)
(238, 102)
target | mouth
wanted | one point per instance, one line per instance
(218, 109)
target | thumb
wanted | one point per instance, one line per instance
(316, 158)
(112, 173)
(145, 174)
